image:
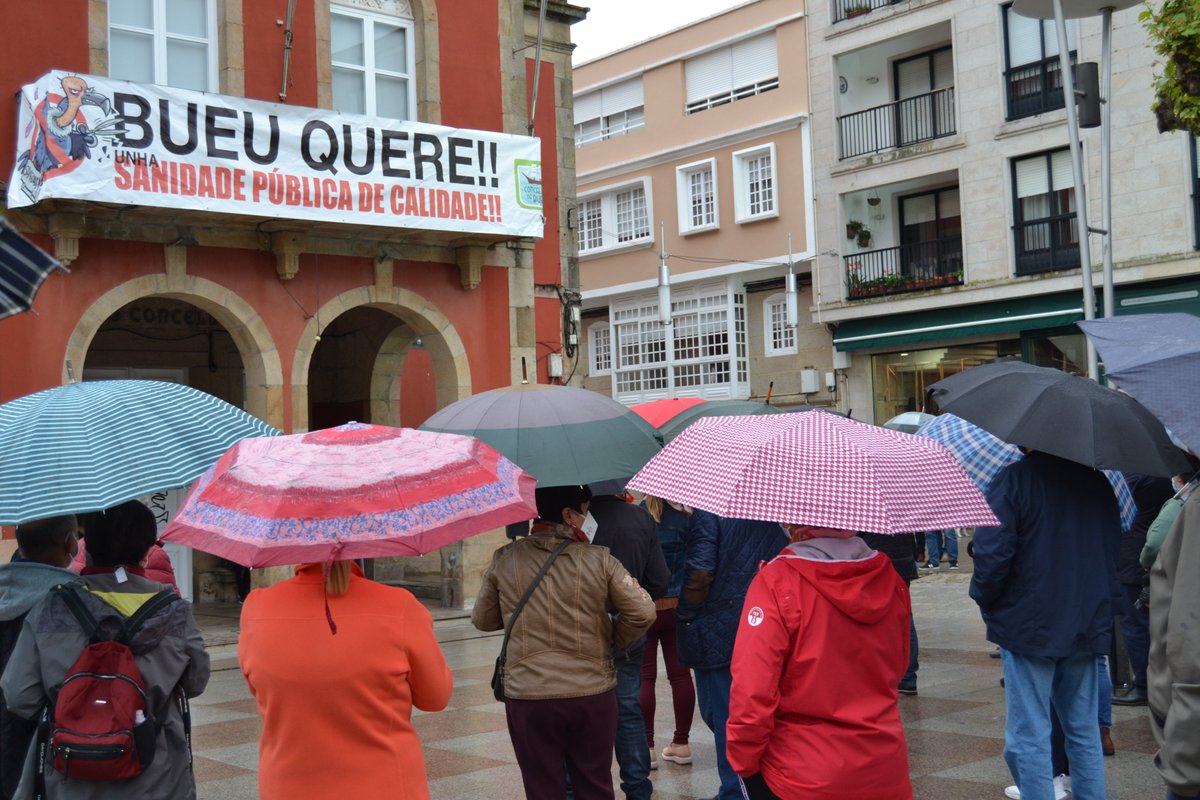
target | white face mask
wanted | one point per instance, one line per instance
(589, 526)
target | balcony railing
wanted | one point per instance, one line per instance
(1048, 244)
(898, 124)
(907, 268)
(845, 9)
(1035, 88)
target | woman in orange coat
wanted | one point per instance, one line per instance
(337, 706)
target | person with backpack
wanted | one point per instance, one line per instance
(106, 664)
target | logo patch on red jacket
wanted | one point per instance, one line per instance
(755, 617)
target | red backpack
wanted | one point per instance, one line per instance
(100, 727)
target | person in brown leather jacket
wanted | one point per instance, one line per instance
(559, 678)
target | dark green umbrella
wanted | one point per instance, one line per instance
(558, 434)
(718, 408)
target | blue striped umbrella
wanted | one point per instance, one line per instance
(23, 267)
(88, 446)
(983, 455)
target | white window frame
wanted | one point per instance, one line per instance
(683, 189)
(731, 72)
(608, 218)
(600, 352)
(741, 183)
(613, 110)
(160, 36)
(368, 68)
(775, 320)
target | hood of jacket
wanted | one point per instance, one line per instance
(23, 583)
(855, 579)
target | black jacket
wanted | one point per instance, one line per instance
(1149, 494)
(900, 548)
(630, 534)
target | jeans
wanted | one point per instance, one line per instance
(633, 753)
(683, 693)
(712, 695)
(910, 677)
(1135, 627)
(934, 542)
(1070, 683)
(1103, 692)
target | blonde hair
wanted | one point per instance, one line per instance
(655, 506)
(337, 578)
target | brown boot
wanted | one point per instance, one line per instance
(1106, 742)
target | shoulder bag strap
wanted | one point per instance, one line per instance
(529, 591)
(70, 596)
(147, 610)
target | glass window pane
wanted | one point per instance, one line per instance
(346, 34)
(349, 91)
(188, 17)
(139, 13)
(391, 48)
(131, 56)
(187, 65)
(391, 97)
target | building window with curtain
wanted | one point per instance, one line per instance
(1032, 72)
(696, 188)
(1044, 225)
(599, 337)
(611, 111)
(931, 236)
(924, 87)
(734, 72)
(778, 336)
(754, 184)
(615, 218)
(169, 43)
(373, 63)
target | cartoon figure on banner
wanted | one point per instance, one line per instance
(60, 136)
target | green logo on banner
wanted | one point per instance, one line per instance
(529, 184)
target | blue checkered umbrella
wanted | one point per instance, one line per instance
(983, 455)
(23, 267)
(88, 446)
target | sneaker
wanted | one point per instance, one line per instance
(653, 759)
(953, 565)
(908, 688)
(677, 753)
(930, 565)
(1061, 789)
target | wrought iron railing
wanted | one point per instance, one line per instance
(1035, 88)
(1047, 244)
(846, 9)
(907, 268)
(898, 124)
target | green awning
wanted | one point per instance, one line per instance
(1009, 316)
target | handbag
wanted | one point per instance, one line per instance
(498, 674)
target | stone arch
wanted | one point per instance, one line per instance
(452, 373)
(385, 376)
(260, 358)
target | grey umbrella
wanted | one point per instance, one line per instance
(717, 408)
(558, 434)
(1065, 415)
(1156, 358)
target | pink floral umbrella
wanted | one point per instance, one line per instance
(355, 491)
(815, 468)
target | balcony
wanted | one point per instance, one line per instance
(848, 9)
(898, 124)
(907, 268)
(1048, 244)
(1035, 88)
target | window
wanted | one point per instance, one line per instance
(754, 184)
(1196, 190)
(778, 336)
(931, 236)
(612, 111)
(169, 43)
(615, 218)
(1032, 71)
(701, 354)
(924, 87)
(735, 72)
(696, 188)
(599, 349)
(373, 64)
(1044, 213)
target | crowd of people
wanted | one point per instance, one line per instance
(793, 641)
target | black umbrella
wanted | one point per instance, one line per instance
(1065, 415)
(23, 267)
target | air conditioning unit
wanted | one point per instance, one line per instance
(810, 381)
(841, 359)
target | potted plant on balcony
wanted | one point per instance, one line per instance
(863, 236)
(853, 227)
(857, 10)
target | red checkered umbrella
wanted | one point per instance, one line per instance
(815, 468)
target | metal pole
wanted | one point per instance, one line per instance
(1106, 155)
(1081, 216)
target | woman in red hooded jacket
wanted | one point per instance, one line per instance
(821, 647)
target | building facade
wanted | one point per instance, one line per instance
(300, 308)
(948, 200)
(694, 146)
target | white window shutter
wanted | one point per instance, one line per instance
(621, 97)
(754, 60)
(709, 74)
(587, 106)
(1032, 179)
(913, 78)
(1061, 174)
(943, 69)
(919, 209)
(1024, 39)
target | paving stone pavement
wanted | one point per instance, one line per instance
(955, 726)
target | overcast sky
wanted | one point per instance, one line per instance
(613, 24)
